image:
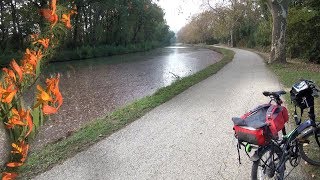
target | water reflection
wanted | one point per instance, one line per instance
(92, 88)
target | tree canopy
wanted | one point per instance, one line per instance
(97, 22)
(249, 24)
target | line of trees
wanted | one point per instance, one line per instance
(250, 24)
(97, 23)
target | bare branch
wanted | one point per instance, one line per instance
(211, 7)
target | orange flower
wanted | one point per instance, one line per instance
(66, 20)
(9, 76)
(43, 97)
(2, 90)
(56, 102)
(32, 57)
(22, 149)
(53, 86)
(9, 176)
(26, 115)
(50, 16)
(53, 5)
(28, 68)
(9, 94)
(47, 110)
(43, 42)
(14, 164)
(16, 68)
(21, 118)
(15, 120)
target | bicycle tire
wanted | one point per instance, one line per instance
(262, 171)
(309, 147)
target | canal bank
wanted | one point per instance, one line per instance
(92, 132)
(93, 88)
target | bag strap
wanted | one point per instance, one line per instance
(270, 111)
(238, 148)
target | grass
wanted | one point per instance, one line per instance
(290, 73)
(52, 154)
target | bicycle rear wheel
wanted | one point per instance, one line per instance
(310, 147)
(265, 167)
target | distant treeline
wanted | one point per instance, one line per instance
(249, 24)
(116, 26)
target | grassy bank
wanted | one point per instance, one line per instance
(290, 73)
(52, 154)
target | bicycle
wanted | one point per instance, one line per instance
(272, 154)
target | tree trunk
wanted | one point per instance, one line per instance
(279, 11)
(15, 23)
(231, 38)
(86, 24)
(76, 27)
(3, 29)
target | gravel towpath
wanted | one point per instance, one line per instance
(189, 137)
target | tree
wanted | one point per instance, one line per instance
(230, 14)
(279, 12)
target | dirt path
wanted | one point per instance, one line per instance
(189, 137)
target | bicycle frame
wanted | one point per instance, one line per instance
(286, 143)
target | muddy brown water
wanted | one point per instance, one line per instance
(94, 87)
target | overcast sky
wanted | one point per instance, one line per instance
(178, 12)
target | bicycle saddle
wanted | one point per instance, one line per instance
(276, 93)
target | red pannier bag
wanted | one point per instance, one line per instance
(250, 135)
(276, 118)
(261, 124)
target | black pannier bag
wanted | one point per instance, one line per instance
(302, 94)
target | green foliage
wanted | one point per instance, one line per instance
(102, 25)
(263, 33)
(87, 52)
(303, 33)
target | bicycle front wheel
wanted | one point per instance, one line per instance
(265, 167)
(310, 147)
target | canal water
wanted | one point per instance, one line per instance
(92, 88)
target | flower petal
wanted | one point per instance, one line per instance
(14, 164)
(9, 176)
(47, 110)
(9, 94)
(17, 68)
(53, 5)
(29, 122)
